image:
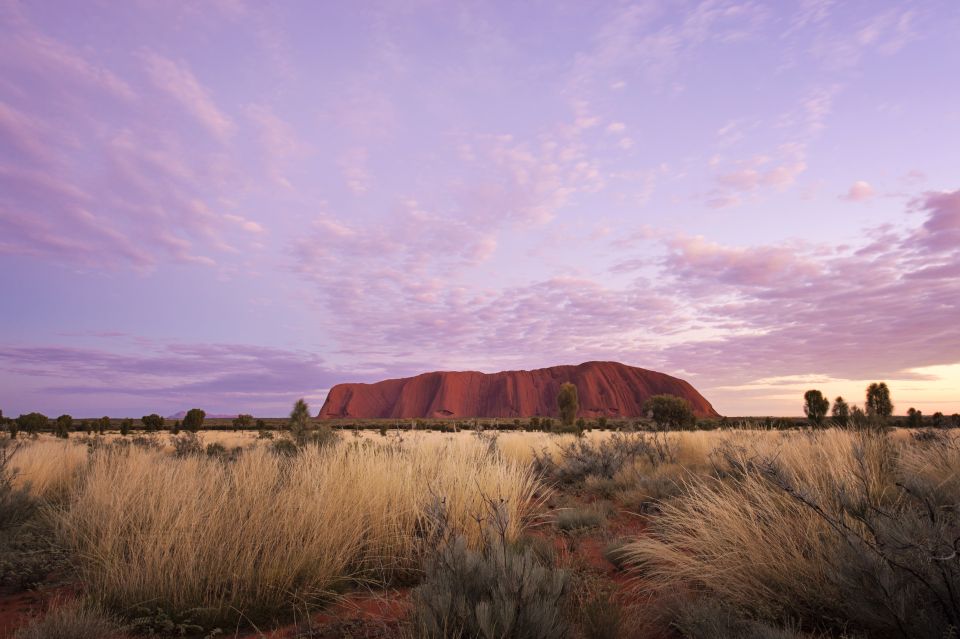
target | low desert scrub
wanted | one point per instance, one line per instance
(574, 519)
(839, 531)
(701, 618)
(574, 462)
(72, 620)
(249, 536)
(491, 589)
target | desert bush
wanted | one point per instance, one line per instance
(193, 420)
(32, 423)
(574, 462)
(62, 426)
(72, 620)
(152, 422)
(840, 533)
(670, 412)
(252, 535)
(494, 590)
(573, 519)
(186, 444)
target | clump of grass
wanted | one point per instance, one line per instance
(72, 620)
(195, 534)
(839, 531)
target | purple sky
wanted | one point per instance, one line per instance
(234, 204)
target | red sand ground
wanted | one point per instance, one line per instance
(605, 388)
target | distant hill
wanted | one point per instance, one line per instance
(610, 389)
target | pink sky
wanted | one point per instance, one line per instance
(233, 204)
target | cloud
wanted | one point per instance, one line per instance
(178, 81)
(166, 377)
(859, 191)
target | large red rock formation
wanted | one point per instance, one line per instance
(604, 388)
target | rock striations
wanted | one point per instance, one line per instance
(605, 388)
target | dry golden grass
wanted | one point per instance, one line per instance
(49, 467)
(253, 535)
(755, 545)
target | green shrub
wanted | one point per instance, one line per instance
(670, 412)
(63, 426)
(497, 590)
(193, 420)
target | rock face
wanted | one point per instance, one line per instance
(604, 388)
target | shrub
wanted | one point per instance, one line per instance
(264, 434)
(216, 449)
(914, 418)
(243, 421)
(568, 403)
(103, 424)
(193, 420)
(32, 422)
(669, 412)
(152, 422)
(572, 519)
(496, 590)
(602, 423)
(72, 620)
(603, 458)
(62, 426)
(126, 426)
(937, 420)
(187, 444)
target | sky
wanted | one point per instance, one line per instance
(232, 204)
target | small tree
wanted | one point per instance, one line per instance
(193, 420)
(103, 425)
(32, 422)
(955, 420)
(914, 418)
(175, 429)
(878, 401)
(126, 426)
(669, 412)
(300, 421)
(937, 420)
(152, 422)
(243, 421)
(568, 403)
(841, 412)
(602, 422)
(261, 424)
(88, 426)
(63, 425)
(815, 406)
